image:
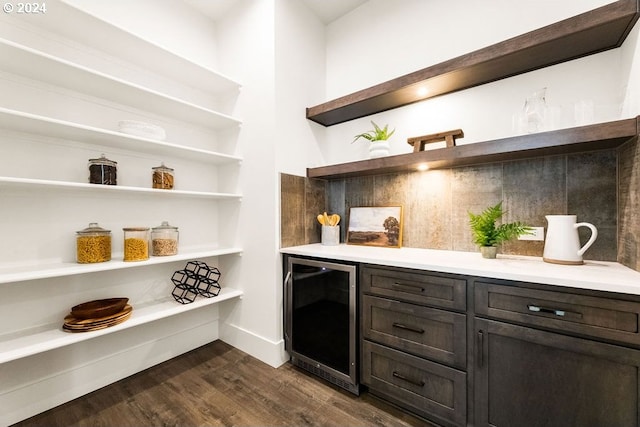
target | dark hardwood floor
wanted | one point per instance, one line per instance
(218, 385)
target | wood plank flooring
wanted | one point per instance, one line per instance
(218, 385)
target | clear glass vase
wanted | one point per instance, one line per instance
(535, 110)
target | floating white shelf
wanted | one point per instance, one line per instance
(62, 185)
(49, 337)
(75, 24)
(25, 61)
(46, 126)
(45, 271)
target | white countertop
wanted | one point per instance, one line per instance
(595, 275)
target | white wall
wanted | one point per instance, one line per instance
(418, 34)
(247, 47)
(276, 48)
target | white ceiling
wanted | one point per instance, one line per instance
(325, 10)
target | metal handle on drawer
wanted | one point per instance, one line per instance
(554, 311)
(409, 285)
(408, 328)
(409, 380)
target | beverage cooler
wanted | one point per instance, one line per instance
(320, 319)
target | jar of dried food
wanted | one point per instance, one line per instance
(162, 177)
(164, 239)
(93, 244)
(136, 243)
(103, 171)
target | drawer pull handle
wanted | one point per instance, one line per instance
(556, 312)
(539, 309)
(409, 380)
(408, 328)
(408, 285)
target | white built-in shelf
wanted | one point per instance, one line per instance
(20, 121)
(30, 183)
(37, 65)
(38, 340)
(45, 271)
(75, 24)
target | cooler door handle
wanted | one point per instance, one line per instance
(285, 304)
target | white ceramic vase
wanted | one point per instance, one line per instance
(378, 149)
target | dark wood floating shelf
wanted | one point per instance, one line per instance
(582, 139)
(585, 34)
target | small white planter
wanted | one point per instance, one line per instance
(378, 149)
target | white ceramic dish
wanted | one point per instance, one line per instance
(142, 129)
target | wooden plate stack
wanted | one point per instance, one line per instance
(98, 314)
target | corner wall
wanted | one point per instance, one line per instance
(629, 205)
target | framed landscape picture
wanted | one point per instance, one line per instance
(375, 226)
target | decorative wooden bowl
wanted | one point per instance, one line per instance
(99, 308)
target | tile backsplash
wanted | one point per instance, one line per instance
(600, 187)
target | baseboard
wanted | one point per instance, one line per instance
(38, 383)
(264, 349)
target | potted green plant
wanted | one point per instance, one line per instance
(378, 137)
(487, 235)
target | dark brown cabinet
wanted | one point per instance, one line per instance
(527, 377)
(462, 350)
(414, 341)
(553, 358)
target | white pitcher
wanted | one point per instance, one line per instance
(562, 245)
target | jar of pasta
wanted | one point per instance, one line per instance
(136, 243)
(164, 240)
(93, 244)
(162, 177)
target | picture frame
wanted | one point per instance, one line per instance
(375, 226)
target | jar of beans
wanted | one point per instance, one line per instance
(136, 243)
(93, 244)
(162, 177)
(103, 171)
(164, 240)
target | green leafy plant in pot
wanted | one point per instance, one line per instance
(487, 235)
(378, 137)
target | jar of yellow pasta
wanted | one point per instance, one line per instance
(136, 243)
(93, 244)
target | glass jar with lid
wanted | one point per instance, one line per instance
(164, 240)
(103, 171)
(162, 177)
(93, 244)
(136, 243)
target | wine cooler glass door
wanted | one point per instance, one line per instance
(321, 318)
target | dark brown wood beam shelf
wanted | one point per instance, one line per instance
(585, 34)
(565, 141)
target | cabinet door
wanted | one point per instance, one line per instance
(526, 377)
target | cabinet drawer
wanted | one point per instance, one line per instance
(424, 387)
(414, 286)
(426, 332)
(600, 317)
